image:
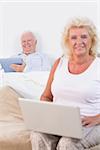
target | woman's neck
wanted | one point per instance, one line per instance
(81, 59)
(79, 65)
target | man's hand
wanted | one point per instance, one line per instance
(17, 68)
(89, 121)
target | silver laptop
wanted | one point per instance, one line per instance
(51, 118)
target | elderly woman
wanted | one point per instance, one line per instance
(75, 80)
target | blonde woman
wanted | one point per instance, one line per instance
(75, 80)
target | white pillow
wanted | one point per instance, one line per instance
(28, 85)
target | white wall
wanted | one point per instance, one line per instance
(46, 19)
(1, 30)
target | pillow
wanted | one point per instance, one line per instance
(6, 62)
(29, 85)
(9, 106)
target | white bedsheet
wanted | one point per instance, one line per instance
(29, 85)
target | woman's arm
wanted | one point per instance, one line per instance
(91, 120)
(47, 95)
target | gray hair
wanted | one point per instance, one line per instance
(29, 32)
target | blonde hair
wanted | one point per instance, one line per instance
(80, 22)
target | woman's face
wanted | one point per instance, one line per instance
(79, 41)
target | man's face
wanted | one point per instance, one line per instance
(28, 43)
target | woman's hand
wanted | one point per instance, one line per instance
(89, 121)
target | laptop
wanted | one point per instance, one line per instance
(6, 62)
(51, 118)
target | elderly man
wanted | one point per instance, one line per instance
(32, 59)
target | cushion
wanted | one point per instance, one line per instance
(6, 62)
(14, 136)
(9, 107)
(13, 133)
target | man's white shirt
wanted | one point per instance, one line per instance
(35, 62)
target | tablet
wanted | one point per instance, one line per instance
(6, 62)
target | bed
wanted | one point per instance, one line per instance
(13, 133)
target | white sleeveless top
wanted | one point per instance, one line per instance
(81, 90)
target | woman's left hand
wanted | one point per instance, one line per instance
(89, 121)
